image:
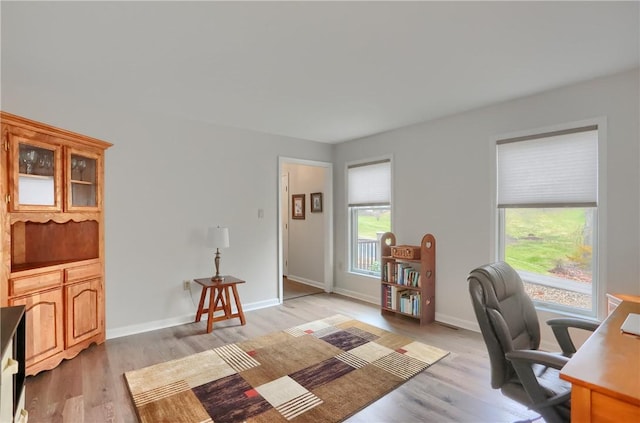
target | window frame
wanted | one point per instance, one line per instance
(599, 284)
(352, 229)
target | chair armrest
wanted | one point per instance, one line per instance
(544, 358)
(560, 327)
(574, 323)
(522, 361)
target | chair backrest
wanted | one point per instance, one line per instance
(506, 316)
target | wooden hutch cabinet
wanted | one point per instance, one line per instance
(52, 237)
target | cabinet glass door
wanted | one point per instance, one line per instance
(36, 176)
(82, 169)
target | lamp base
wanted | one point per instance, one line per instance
(217, 277)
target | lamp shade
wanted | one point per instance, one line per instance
(218, 237)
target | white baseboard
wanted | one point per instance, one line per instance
(305, 281)
(181, 320)
(357, 295)
(262, 304)
(148, 326)
(545, 345)
(176, 321)
(459, 323)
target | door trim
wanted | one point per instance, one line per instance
(328, 219)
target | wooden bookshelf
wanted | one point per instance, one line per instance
(407, 281)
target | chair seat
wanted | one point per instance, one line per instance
(549, 380)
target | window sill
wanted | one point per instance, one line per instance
(566, 313)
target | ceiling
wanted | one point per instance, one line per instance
(322, 71)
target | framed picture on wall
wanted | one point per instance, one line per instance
(316, 202)
(297, 209)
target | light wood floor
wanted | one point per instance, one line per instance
(91, 387)
(293, 289)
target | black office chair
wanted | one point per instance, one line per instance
(511, 331)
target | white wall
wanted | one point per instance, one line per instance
(307, 240)
(166, 182)
(443, 185)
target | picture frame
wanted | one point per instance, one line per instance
(297, 206)
(316, 202)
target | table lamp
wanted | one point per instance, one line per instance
(218, 238)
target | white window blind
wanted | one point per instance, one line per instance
(558, 169)
(369, 184)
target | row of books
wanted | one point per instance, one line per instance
(400, 273)
(402, 300)
(409, 302)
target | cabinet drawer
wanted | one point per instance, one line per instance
(39, 282)
(82, 272)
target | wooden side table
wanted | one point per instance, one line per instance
(219, 300)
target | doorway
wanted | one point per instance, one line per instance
(306, 241)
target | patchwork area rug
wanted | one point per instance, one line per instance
(321, 371)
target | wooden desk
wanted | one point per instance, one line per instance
(219, 300)
(605, 373)
(614, 300)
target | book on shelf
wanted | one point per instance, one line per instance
(390, 272)
(390, 296)
(401, 274)
(409, 302)
(387, 298)
(401, 270)
(407, 275)
(395, 292)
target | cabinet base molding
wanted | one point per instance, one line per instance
(53, 361)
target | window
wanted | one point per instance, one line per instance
(547, 199)
(369, 202)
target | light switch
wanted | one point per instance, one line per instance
(260, 213)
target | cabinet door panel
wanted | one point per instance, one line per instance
(83, 170)
(35, 175)
(83, 311)
(44, 330)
